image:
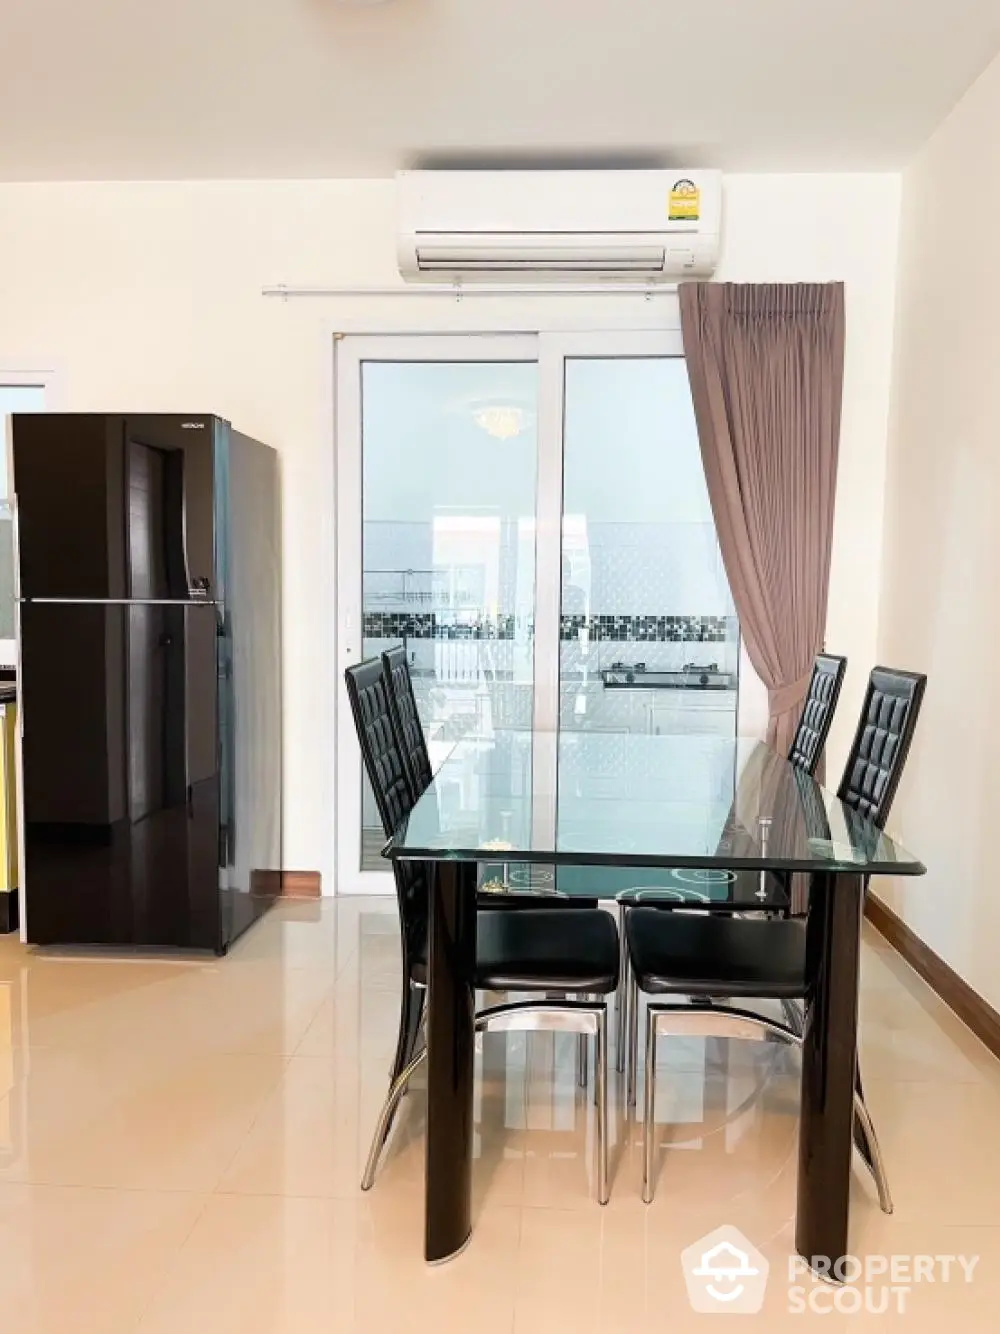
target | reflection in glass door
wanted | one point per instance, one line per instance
(649, 640)
(448, 464)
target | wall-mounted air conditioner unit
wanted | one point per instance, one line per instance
(494, 226)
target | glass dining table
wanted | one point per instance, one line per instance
(606, 811)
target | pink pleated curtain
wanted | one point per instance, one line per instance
(766, 364)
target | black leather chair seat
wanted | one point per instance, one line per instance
(540, 951)
(717, 956)
(550, 951)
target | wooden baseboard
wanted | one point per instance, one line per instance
(301, 884)
(287, 884)
(953, 990)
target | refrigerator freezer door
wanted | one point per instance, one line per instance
(115, 506)
(121, 781)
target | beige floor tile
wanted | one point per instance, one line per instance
(74, 993)
(262, 1265)
(157, 1120)
(375, 963)
(269, 1265)
(313, 1136)
(86, 1260)
(935, 1138)
(396, 1289)
(582, 1270)
(256, 1008)
(353, 1024)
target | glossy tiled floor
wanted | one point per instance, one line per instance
(181, 1145)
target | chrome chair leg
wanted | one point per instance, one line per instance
(384, 1124)
(622, 956)
(621, 1043)
(632, 1073)
(794, 1018)
(874, 1160)
(582, 1060)
(417, 1011)
(410, 1018)
(601, 1089)
(622, 994)
(650, 1110)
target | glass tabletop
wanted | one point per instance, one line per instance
(681, 803)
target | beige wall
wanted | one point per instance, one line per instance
(147, 296)
(940, 601)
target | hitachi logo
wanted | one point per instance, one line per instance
(192, 426)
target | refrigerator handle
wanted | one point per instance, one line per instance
(15, 536)
(15, 539)
(190, 801)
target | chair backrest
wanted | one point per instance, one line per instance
(405, 719)
(817, 712)
(882, 742)
(369, 695)
(368, 691)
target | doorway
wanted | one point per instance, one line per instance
(528, 514)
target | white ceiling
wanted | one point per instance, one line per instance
(95, 89)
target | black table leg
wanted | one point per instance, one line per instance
(451, 1050)
(829, 1059)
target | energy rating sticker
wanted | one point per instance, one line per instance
(685, 202)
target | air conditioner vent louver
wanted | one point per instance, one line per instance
(539, 259)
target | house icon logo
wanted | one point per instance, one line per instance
(725, 1274)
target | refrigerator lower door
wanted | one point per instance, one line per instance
(121, 774)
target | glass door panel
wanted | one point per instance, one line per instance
(448, 468)
(649, 640)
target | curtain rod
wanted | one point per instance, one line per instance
(459, 291)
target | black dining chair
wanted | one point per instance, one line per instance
(574, 955)
(495, 888)
(702, 958)
(806, 750)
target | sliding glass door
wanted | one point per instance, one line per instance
(528, 515)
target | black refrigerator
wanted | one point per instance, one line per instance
(149, 677)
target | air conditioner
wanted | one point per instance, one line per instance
(546, 226)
